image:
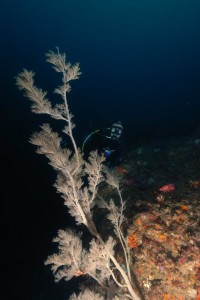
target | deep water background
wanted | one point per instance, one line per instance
(141, 64)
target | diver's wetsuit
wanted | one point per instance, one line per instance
(101, 141)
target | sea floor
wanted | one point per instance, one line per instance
(160, 183)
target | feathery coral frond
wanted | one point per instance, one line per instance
(78, 181)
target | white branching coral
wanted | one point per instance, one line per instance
(68, 262)
(73, 260)
(78, 181)
(87, 295)
(98, 263)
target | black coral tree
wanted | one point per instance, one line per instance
(72, 259)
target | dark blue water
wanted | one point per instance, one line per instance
(141, 63)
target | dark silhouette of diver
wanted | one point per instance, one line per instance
(107, 142)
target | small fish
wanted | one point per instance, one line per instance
(167, 188)
(195, 184)
(121, 170)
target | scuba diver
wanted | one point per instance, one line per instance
(106, 141)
